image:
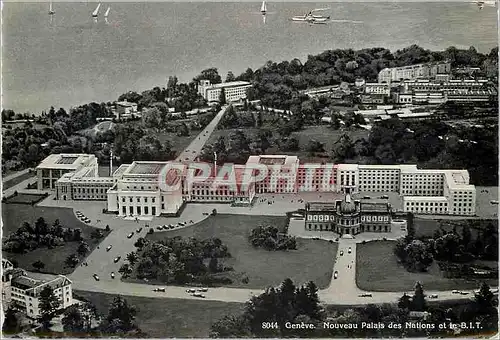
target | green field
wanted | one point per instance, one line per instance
(14, 215)
(170, 318)
(377, 269)
(312, 261)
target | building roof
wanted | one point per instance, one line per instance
(347, 206)
(230, 84)
(374, 207)
(66, 161)
(321, 206)
(145, 168)
(35, 286)
(273, 160)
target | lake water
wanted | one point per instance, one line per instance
(71, 59)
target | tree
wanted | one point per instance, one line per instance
(83, 248)
(38, 265)
(11, 324)
(418, 301)
(222, 97)
(132, 257)
(48, 304)
(121, 316)
(73, 320)
(210, 74)
(71, 261)
(484, 299)
(404, 302)
(230, 327)
(230, 77)
(183, 130)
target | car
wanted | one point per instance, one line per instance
(182, 224)
(464, 293)
(117, 259)
(433, 296)
(96, 277)
(494, 202)
(138, 230)
(454, 291)
(194, 151)
(190, 290)
(366, 197)
(341, 253)
(384, 197)
(203, 289)
(205, 214)
(171, 227)
(112, 275)
(108, 248)
(316, 238)
(159, 289)
(199, 295)
(349, 250)
(78, 212)
(159, 227)
(87, 220)
(335, 275)
(365, 295)
(130, 235)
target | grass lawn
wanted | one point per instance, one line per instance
(170, 318)
(427, 227)
(179, 143)
(17, 180)
(312, 261)
(14, 215)
(377, 269)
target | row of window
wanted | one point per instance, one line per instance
(144, 199)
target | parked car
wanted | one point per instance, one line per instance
(365, 295)
(108, 248)
(190, 290)
(117, 259)
(112, 275)
(454, 291)
(366, 197)
(138, 230)
(341, 253)
(384, 197)
(130, 235)
(464, 293)
(494, 202)
(159, 227)
(335, 275)
(159, 289)
(96, 277)
(203, 289)
(349, 250)
(199, 295)
(433, 296)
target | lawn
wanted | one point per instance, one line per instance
(312, 261)
(14, 215)
(170, 318)
(179, 143)
(377, 269)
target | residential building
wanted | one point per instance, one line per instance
(378, 88)
(234, 91)
(428, 70)
(55, 166)
(349, 216)
(22, 292)
(125, 108)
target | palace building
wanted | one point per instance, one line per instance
(349, 216)
(234, 91)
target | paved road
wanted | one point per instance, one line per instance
(194, 149)
(21, 187)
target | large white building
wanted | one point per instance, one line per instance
(428, 70)
(234, 91)
(56, 165)
(23, 292)
(135, 189)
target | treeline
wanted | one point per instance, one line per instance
(266, 316)
(175, 260)
(30, 237)
(417, 254)
(278, 84)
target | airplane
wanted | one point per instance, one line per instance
(313, 18)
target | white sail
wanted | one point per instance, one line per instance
(263, 8)
(96, 12)
(107, 12)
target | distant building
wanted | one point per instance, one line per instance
(55, 166)
(359, 82)
(377, 88)
(22, 292)
(125, 108)
(348, 216)
(234, 91)
(428, 70)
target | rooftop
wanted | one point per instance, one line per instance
(321, 206)
(66, 161)
(374, 207)
(145, 168)
(230, 84)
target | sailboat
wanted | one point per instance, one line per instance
(51, 11)
(263, 8)
(95, 13)
(107, 12)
